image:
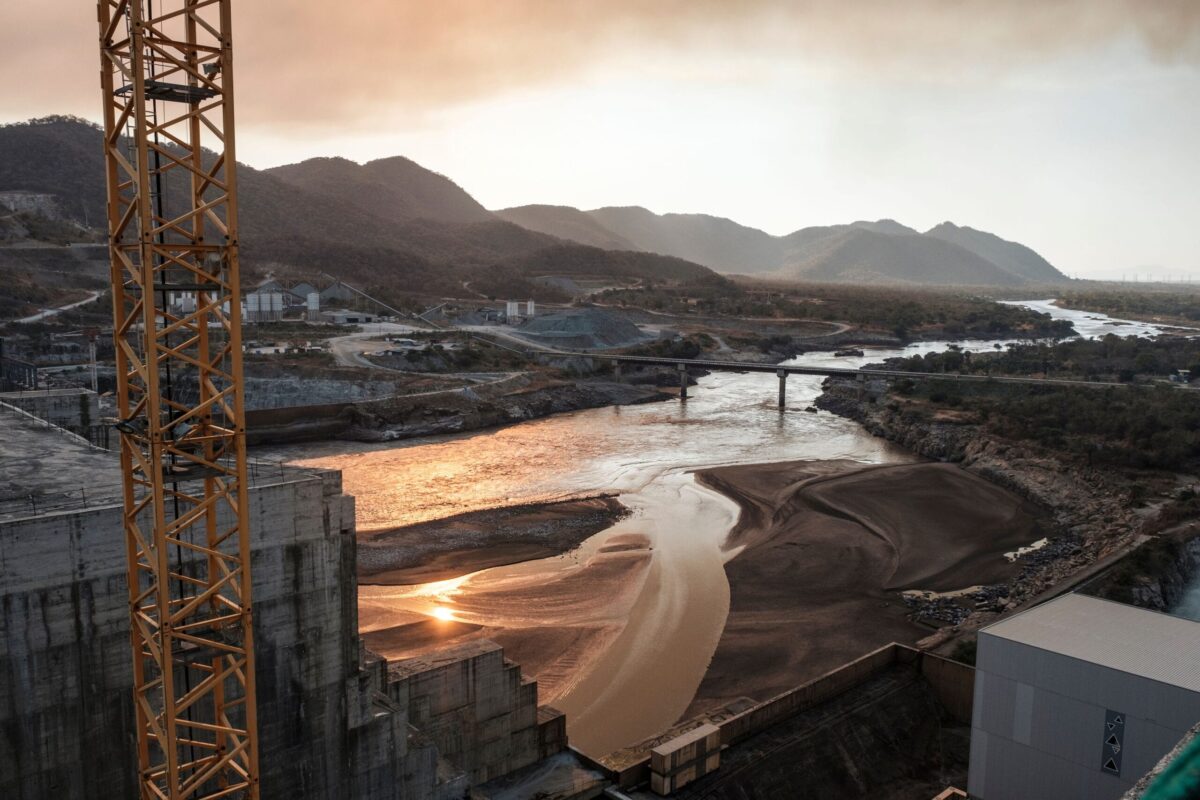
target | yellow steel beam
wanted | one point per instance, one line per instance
(166, 74)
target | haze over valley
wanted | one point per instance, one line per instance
(410, 221)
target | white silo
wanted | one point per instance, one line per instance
(313, 305)
(512, 311)
(529, 309)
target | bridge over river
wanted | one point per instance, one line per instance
(862, 375)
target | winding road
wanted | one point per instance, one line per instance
(46, 313)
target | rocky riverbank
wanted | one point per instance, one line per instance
(447, 548)
(1157, 575)
(470, 408)
(1090, 510)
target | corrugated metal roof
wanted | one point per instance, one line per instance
(1125, 638)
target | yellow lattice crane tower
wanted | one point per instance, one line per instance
(167, 80)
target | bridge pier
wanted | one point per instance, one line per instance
(683, 381)
(617, 371)
(862, 386)
(782, 388)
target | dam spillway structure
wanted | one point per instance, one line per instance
(335, 720)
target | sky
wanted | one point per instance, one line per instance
(1068, 125)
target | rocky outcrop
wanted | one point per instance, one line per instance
(1157, 575)
(452, 411)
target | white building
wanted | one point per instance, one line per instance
(1077, 698)
(340, 316)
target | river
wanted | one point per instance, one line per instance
(665, 628)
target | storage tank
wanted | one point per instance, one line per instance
(513, 310)
(313, 304)
(253, 309)
(529, 309)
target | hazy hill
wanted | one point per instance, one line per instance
(388, 222)
(392, 219)
(64, 157)
(848, 252)
(60, 156)
(800, 246)
(390, 188)
(566, 222)
(859, 254)
(1012, 256)
(593, 262)
(714, 242)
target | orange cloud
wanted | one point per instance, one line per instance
(357, 63)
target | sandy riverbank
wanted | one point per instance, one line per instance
(815, 565)
(823, 548)
(551, 625)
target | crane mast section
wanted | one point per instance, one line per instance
(166, 72)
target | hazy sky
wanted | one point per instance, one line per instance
(1071, 126)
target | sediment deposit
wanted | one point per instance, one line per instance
(822, 550)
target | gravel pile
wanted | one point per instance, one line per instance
(583, 328)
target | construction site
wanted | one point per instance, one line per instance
(181, 616)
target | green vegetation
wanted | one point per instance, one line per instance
(904, 313)
(683, 347)
(774, 343)
(471, 355)
(1153, 426)
(1183, 307)
(1111, 358)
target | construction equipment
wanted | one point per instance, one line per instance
(167, 82)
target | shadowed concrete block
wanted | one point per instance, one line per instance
(474, 705)
(326, 728)
(552, 731)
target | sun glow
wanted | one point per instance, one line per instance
(443, 613)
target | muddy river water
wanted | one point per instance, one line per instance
(664, 630)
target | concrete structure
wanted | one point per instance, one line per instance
(679, 761)
(16, 373)
(861, 374)
(476, 708)
(341, 316)
(1078, 698)
(337, 291)
(77, 410)
(896, 712)
(335, 721)
(31, 203)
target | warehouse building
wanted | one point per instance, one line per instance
(1080, 697)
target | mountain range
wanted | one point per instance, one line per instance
(392, 220)
(883, 251)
